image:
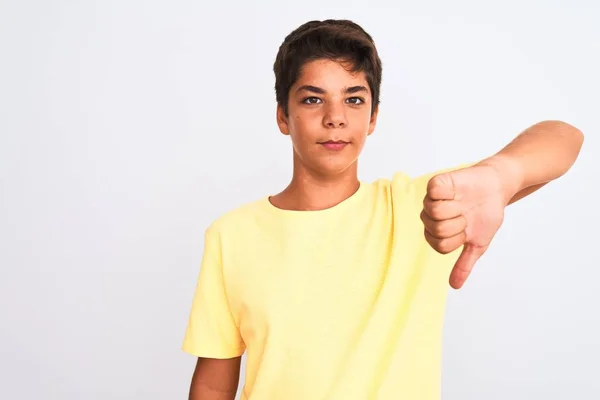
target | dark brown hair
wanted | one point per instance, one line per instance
(341, 40)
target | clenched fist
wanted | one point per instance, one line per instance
(464, 207)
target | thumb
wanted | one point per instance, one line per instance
(441, 187)
(465, 263)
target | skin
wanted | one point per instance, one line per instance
(215, 379)
(466, 207)
(462, 208)
(327, 102)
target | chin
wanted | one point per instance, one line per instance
(333, 167)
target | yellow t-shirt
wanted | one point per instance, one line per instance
(337, 304)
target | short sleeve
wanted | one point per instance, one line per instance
(212, 331)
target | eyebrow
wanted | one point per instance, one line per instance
(318, 90)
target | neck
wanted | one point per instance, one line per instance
(310, 191)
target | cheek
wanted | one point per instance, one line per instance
(304, 126)
(361, 125)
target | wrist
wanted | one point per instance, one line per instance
(510, 173)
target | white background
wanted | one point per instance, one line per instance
(126, 127)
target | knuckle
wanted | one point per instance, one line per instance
(437, 229)
(445, 247)
(449, 245)
(437, 210)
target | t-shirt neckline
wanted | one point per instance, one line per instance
(341, 206)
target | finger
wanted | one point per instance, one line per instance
(446, 228)
(441, 187)
(446, 245)
(464, 265)
(440, 210)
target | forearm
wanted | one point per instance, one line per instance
(540, 154)
(207, 393)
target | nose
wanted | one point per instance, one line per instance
(335, 117)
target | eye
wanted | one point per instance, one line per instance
(355, 100)
(311, 100)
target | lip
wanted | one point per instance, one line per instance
(334, 145)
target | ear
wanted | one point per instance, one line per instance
(373, 121)
(282, 121)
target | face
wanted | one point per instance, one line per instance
(329, 117)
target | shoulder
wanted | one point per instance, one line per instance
(422, 179)
(403, 185)
(238, 218)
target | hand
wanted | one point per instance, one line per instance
(464, 207)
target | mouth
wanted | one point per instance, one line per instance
(335, 145)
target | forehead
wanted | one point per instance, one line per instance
(330, 74)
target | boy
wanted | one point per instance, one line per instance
(335, 287)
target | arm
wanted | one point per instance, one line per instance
(539, 155)
(212, 334)
(215, 379)
(465, 207)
